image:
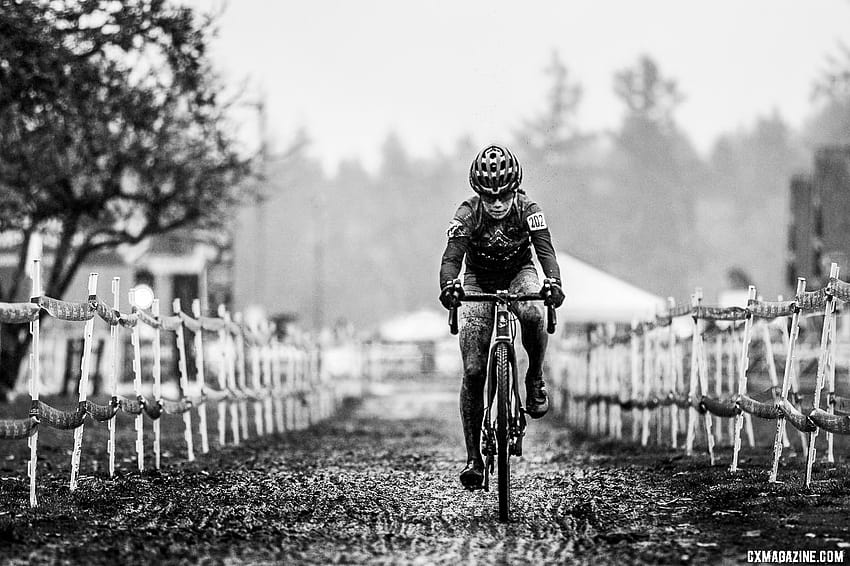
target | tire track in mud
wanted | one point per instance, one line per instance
(378, 484)
(389, 493)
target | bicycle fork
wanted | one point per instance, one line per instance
(517, 421)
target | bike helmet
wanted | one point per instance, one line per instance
(495, 171)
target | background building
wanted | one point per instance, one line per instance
(819, 230)
(174, 266)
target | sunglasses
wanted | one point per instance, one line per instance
(505, 198)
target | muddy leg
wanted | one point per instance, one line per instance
(475, 332)
(534, 338)
(531, 318)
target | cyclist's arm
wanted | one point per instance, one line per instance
(457, 245)
(453, 258)
(541, 239)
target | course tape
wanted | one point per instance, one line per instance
(839, 289)
(760, 409)
(836, 424)
(171, 323)
(824, 303)
(44, 414)
(813, 300)
(113, 317)
(681, 401)
(133, 406)
(731, 407)
(720, 313)
(767, 404)
(18, 313)
(189, 322)
(250, 394)
(772, 309)
(176, 407)
(720, 407)
(212, 324)
(146, 318)
(140, 405)
(668, 400)
(681, 310)
(106, 313)
(65, 310)
(795, 417)
(218, 395)
(102, 413)
(56, 418)
(15, 429)
(811, 303)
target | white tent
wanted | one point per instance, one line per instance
(422, 325)
(592, 296)
(596, 296)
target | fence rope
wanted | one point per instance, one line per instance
(18, 313)
(641, 370)
(285, 384)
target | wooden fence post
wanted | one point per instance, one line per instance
(85, 368)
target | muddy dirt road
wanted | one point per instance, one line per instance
(378, 484)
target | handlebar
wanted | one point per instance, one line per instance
(505, 298)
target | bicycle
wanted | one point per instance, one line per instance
(502, 436)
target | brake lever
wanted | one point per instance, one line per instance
(453, 320)
(551, 317)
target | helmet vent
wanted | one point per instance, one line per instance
(494, 171)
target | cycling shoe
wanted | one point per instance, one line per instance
(472, 476)
(536, 398)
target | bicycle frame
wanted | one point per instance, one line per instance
(502, 435)
(503, 333)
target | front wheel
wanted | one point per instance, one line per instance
(503, 399)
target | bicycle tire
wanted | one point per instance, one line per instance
(503, 400)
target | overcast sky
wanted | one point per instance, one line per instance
(352, 71)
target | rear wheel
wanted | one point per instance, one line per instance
(503, 400)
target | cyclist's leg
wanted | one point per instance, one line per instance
(476, 327)
(532, 321)
(534, 338)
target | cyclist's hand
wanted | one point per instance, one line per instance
(553, 292)
(451, 294)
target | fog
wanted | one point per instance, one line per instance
(638, 201)
(659, 139)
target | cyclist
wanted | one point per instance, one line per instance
(494, 231)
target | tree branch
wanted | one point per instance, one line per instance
(20, 268)
(59, 278)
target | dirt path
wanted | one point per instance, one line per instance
(378, 484)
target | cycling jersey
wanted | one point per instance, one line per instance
(498, 249)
